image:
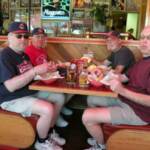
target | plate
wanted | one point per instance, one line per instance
(49, 81)
(49, 77)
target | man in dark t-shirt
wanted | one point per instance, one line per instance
(121, 57)
(16, 73)
(11, 66)
(132, 106)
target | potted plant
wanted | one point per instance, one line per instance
(100, 14)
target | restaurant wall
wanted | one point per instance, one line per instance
(67, 49)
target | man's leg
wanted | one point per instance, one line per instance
(58, 99)
(92, 118)
(119, 114)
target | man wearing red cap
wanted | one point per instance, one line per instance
(38, 55)
(16, 74)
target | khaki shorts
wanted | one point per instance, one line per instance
(121, 113)
(24, 105)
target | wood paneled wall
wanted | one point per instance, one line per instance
(66, 49)
(147, 19)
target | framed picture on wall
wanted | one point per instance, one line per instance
(36, 3)
(5, 9)
(58, 10)
(24, 3)
(118, 5)
(78, 14)
(132, 5)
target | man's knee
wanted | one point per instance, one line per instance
(90, 101)
(57, 98)
(86, 117)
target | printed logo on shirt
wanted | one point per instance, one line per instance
(41, 59)
(24, 66)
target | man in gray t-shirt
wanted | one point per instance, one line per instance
(121, 57)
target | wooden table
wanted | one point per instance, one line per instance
(60, 86)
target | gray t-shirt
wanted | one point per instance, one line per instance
(123, 57)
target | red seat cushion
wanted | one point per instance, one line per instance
(110, 129)
(7, 148)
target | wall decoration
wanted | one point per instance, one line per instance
(133, 5)
(5, 9)
(55, 9)
(82, 3)
(24, 3)
(35, 3)
(118, 5)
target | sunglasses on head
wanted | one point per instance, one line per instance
(19, 36)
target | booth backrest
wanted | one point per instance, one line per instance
(16, 131)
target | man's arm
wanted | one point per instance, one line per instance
(104, 62)
(19, 81)
(139, 98)
(119, 69)
(22, 80)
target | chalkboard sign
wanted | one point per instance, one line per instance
(55, 9)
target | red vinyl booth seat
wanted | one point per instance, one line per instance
(16, 131)
(127, 137)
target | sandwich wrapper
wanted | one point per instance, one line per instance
(110, 75)
(52, 75)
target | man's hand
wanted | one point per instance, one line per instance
(52, 66)
(115, 85)
(40, 69)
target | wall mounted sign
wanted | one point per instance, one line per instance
(55, 9)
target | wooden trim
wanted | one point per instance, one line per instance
(81, 40)
(129, 140)
(147, 19)
(15, 131)
(71, 90)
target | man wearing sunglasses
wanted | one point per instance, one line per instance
(16, 73)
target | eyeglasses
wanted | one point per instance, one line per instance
(19, 36)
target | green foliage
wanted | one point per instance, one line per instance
(99, 13)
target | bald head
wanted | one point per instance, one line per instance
(145, 41)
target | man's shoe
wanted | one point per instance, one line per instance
(56, 138)
(61, 122)
(91, 141)
(47, 145)
(66, 111)
(97, 147)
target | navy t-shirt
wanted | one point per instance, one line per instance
(11, 65)
(122, 57)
